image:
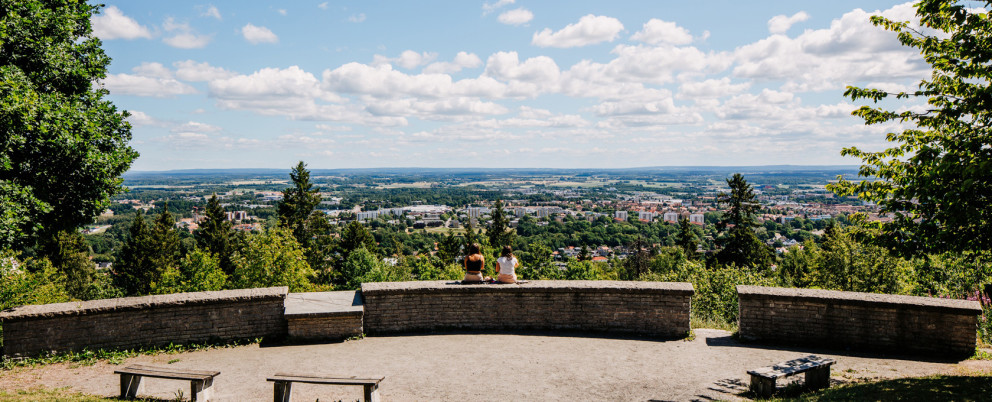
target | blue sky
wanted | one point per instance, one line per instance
(503, 83)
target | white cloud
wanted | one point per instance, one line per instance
(490, 7)
(255, 35)
(462, 60)
(323, 6)
(127, 84)
(183, 37)
(195, 127)
(153, 70)
(517, 16)
(851, 50)
(212, 12)
(356, 18)
(407, 60)
(712, 88)
(190, 70)
(139, 118)
(779, 24)
(590, 29)
(113, 24)
(267, 82)
(656, 31)
(282, 11)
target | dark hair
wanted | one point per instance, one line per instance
(507, 251)
(474, 248)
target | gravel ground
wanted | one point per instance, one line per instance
(490, 367)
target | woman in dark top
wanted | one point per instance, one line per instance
(475, 262)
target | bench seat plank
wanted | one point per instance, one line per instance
(161, 372)
(792, 367)
(318, 379)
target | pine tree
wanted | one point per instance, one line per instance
(298, 203)
(470, 236)
(69, 254)
(135, 259)
(214, 234)
(498, 231)
(739, 244)
(686, 238)
(356, 236)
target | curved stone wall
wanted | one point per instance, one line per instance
(657, 309)
(864, 321)
(143, 321)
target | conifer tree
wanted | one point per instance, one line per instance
(739, 244)
(686, 238)
(215, 233)
(356, 236)
(498, 231)
(135, 259)
(298, 203)
(69, 254)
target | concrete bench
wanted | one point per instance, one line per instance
(283, 385)
(200, 381)
(817, 371)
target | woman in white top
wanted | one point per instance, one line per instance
(505, 266)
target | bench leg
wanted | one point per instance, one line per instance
(818, 378)
(282, 391)
(131, 385)
(202, 391)
(371, 393)
(763, 387)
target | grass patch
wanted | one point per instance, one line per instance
(923, 389)
(61, 395)
(711, 322)
(88, 357)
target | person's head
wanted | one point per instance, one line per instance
(474, 248)
(507, 251)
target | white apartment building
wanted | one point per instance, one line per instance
(697, 218)
(671, 216)
(621, 215)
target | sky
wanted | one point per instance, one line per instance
(500, 83)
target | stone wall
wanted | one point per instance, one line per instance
(643, 308)
(862, 321)
(144, 321)
(324, 316)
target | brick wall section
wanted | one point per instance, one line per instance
(653, 309)
(861, 321)
(329, 327)
(144, 321)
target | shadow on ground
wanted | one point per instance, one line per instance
(732, 341)
(926, 389)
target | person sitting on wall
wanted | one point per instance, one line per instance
(505, 265)
(474, 263)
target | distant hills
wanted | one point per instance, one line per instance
(252, 172)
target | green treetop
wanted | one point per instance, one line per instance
(62, 146)
(215, 233)
(936, 177)
(499, 231)
(739, 244)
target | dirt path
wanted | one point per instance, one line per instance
(481, 367)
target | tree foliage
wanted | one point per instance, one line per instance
(215, 234)
(271, 258)
(738, 243)
(62, 146)
(498, 231)
(935, 179)
(298, 203)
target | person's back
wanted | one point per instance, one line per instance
(506, 266)
(474, 263)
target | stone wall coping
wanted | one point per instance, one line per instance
(139, 303)
(858, 298)
(528, 287)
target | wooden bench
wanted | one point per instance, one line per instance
(817, 371)
(283, 387)
(200, 381)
